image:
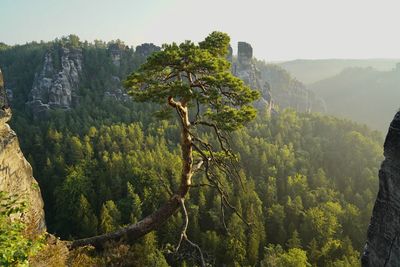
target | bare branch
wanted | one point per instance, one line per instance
(223, 216)
(184, 235)
(223, 195)
(197, 166)
(221, 139)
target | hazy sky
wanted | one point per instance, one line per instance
(277, 29)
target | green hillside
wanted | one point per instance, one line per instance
(364, 95)
(311, 71)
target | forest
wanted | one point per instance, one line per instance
(308, 180)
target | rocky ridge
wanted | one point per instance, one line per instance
(383, 237)
(15, 172)
(56, 85)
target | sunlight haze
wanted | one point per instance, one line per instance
(277, 30)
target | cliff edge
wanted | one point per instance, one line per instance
(15, 172)
(383, 243)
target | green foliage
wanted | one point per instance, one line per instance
(110, 217)
(309, 180)
(276, 256)
(143, 253)
(15, 246)
(196, 74)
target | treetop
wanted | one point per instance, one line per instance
(196, 75)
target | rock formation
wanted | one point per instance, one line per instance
(246, 70)
(245, 53)
(116, 91)
(116, 51)
(243, 68)
(383, 237)
(276, 86)
(15, 172)
(53, 86)
(146, 49)
(56, 85)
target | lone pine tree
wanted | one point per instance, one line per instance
(194, 80)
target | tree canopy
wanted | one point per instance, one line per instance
(196, 75)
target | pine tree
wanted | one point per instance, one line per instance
(110, 217)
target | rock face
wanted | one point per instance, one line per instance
(244, 69)
(15, 171)
(245, 53)
(55, 86)
(276, 86)
(247, 71)
(383, 237)
(3, 95)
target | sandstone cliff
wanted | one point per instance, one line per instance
(15, 172)
(383, 242)
(56, 84)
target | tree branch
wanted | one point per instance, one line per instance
(184, 235)
(132, 232)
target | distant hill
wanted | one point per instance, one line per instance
(310, 71)
(365, 95)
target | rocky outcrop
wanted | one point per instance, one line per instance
(116, 91)
(15, 172)
(246, 70)
(116, 51)
(276, 86)
(243, 68)
(146, 49)
(55, 86)
(245, 53)
(383, 237)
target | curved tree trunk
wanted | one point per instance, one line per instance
(134, 231)
(159, 217)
